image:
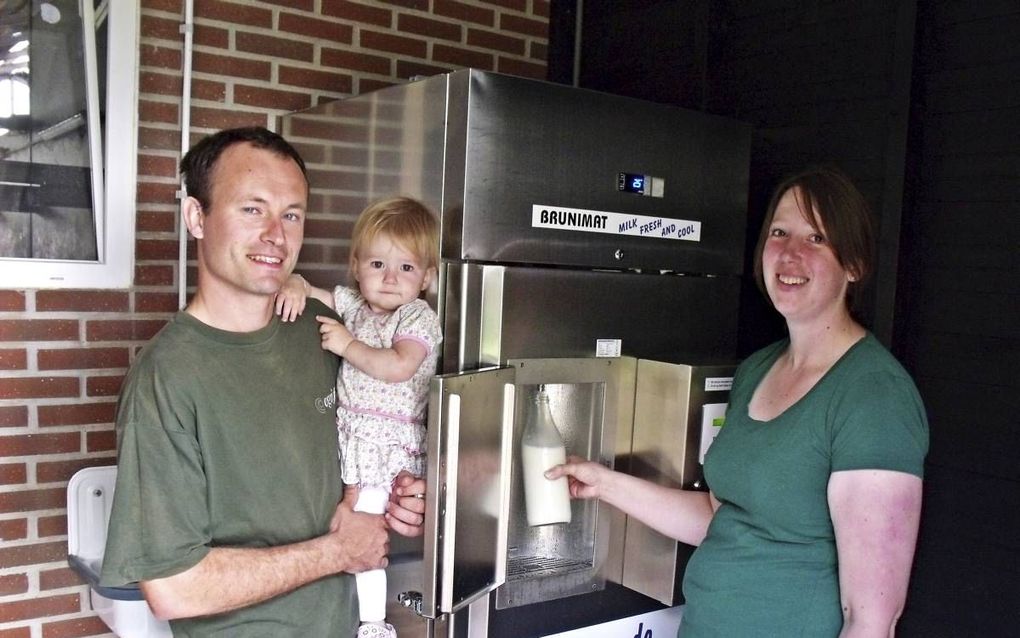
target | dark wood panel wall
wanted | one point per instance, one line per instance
(960, 310)
(919, 100)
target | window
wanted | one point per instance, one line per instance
(14, 97)
(68, 98)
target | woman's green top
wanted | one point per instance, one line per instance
(768, 565)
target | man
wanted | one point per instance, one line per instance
(226, 508)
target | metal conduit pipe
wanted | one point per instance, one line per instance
(188, 29)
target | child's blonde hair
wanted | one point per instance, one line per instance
(406, 221)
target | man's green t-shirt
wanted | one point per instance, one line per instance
(768, 565)
(229, 439)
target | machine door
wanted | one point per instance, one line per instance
(678, 408)
(470, 425)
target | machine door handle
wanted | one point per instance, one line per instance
(505, 482)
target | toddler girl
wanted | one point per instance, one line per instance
(389, 342)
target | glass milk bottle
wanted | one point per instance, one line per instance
(541, 448)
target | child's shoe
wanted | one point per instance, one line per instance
(376, 630)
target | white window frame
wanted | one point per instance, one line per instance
(115, 207)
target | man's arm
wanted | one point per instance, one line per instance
(229, 578)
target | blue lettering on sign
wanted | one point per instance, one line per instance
(640, 628)
(627, 225)
(668, 230)
(650, 226)
(685, 231)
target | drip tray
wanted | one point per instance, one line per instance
(533, 579)
(527, 567)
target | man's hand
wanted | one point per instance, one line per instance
(360, 541)
(405, 512)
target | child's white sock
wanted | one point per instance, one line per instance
(372, 584)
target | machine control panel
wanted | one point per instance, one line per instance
(640, 184)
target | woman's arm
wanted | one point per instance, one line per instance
(875, 515)
(680, 514)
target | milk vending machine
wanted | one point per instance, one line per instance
(592, 246)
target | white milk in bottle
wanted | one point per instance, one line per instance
(542, 447)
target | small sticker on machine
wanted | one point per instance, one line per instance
(608, 347)
(597, 221)
(714, 384)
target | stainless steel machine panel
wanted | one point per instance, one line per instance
(534, 143)
(391, 141)
(497, 313)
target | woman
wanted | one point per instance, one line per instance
(810, 525)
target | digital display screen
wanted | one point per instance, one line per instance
(632, 183)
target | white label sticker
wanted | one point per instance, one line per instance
(713, 384)
(654, 624)
(597, 221)
(608, 347)
(658, 186)
(713, 415)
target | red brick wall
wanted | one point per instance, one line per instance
(63, 354)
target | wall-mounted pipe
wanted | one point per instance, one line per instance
(578, 37)
(188, 29)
